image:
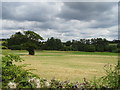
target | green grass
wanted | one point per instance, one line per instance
(61, 53)
(114, 44)
(94, 53)
(66, 65)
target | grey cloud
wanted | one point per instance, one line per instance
(86, 11)
(28, 11)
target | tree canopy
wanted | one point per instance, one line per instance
(28, 40)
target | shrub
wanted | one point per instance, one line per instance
(4, 47)
(89, 48)
(67, 48)
(110, 80)
(106, 48)
(12, 73)
(112, 48)
(99, 48)
(118, 45)
(116, 50)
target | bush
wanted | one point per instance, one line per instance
(12, 73)
(67, 48)
(110, 80)
(106, 48)
(4, 43)
(116, 51)
(118, 45)
(112, 48)
(4, 47)
(99, 48)
(89, 48)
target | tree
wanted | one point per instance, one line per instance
(100, 44)
(28, 40)
(54, 44)
(68, 43)
(16, 39)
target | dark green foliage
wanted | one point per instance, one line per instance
(30, 35)
(106, 48)
(43, 46)
(118, 45)
(28, 40)
(90, 48)
(16, 39)
(30, 47)
(54, 44)
(15, 47)
(100, 48)
(115, 41)
(68, 43)
(112, 48)
(100, 44)
(90, 45)
(116, 50)
(67, 48)
(75, 45)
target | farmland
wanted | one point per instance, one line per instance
(66, 65)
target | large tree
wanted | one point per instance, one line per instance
(27, 40)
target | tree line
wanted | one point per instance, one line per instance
(29, 40)
(88, 45)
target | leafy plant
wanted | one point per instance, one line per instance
(12, 73)
(110, 80)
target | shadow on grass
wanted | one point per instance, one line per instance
(48, 55)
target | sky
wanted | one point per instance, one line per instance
(63, 20)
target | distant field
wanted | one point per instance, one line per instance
(67, 65)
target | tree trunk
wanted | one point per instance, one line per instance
(31, 52)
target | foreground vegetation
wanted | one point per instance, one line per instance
(15, 77)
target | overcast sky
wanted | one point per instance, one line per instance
(63, 20)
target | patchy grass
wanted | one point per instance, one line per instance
(67, 65)
(59, 53)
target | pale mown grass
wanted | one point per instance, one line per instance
(66, 65)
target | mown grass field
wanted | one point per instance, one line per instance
(67, 65)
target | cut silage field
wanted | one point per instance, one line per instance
(67, 65)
